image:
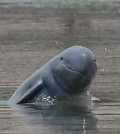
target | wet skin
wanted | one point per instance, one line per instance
(69, 73)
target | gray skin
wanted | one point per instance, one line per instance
(69, 73)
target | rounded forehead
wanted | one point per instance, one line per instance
(77, 50)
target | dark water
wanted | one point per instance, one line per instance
(33, 32)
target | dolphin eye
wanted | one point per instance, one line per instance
(61, 58)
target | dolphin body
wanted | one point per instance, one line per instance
(69, 73)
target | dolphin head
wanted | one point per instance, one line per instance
(75, 69)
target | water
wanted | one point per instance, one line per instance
(33, 33)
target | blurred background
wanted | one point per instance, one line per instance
(34, 31)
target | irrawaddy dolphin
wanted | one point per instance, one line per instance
(69, 73)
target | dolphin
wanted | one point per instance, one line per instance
(69, 73)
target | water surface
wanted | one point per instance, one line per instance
(33, 32)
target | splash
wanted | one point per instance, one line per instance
(83, 100)
(47, 98)
(43, 99)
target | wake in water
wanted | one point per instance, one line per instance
(83, 100)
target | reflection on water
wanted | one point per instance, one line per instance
(51, 119)
(33, 32)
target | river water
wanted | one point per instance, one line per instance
(31, 33)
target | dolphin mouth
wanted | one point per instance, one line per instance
(76, 71)
(72, 69)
